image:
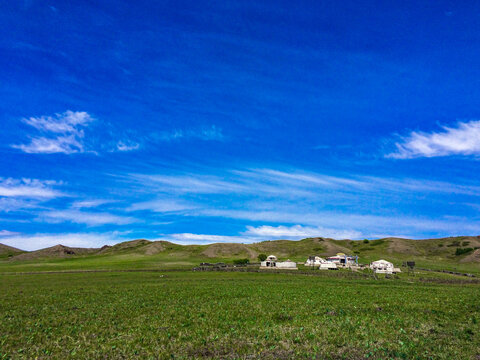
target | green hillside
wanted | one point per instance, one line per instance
(460, 253)
(8, 251)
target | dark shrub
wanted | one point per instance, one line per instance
(366, 241)
(241, 261)
(461, 251)
(455, 243)
(262, 257)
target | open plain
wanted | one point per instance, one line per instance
(125, 305)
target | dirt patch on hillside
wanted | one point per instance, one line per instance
(153, 248)
(124, 246)
(402, 246)
(332, 248)
(473, 257)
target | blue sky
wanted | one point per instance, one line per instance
(204, 121)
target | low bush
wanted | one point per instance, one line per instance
(455, 243)
(241, 261)
(461, 251)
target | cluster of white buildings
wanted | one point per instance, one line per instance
(271, 262)
(330, 263)
(321, 263)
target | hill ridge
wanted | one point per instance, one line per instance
(390, 247)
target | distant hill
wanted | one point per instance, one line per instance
(460, 250)
(57, 251)
(8, 251)
(140, 246)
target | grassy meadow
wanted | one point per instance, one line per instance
(219, 315)
(163, 310)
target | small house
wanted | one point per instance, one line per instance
(383, 267)
(321, 263)
(271, 262)
(314, 261)
(342, 259)
(328, 266)
(289, 265)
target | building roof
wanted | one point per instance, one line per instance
(381, 261)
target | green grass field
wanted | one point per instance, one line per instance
(218, 315)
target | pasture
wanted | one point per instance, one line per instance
(219, 315)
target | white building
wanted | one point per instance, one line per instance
(383, 267)
(314, 261)
(290, 265)
(272, 262)
(321, 263)
(328, 266)
(342, 259)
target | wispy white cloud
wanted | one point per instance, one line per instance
(463, 139)
(125, 145)
(302, 204)
(299, 231)
(10, 204)
(264, 232)
(84, 217)
(60, 144)
(67, 122)
(28, 188)
(162, 205)
(90, 203)
(301, 178)
(8, 233)
(206, 134)
(191, 183)
(65, 133)
(292, 184)
(189, 238)
(62, 133)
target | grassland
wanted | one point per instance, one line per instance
(168, 311)
(187, 315)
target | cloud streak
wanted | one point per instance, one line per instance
(212, 133)
(83, 217)
(65, 133)
(28, 188)
(292, 184)
(463, 139)
(299, 231)
(124, 146)
(8, 233)
(62, 133)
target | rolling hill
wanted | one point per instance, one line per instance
(8, 251)
(462, 252)
(57, 251)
